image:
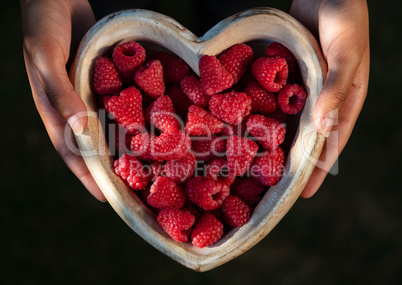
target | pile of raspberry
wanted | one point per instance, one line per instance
(199, 151)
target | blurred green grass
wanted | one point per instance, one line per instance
(54, 232)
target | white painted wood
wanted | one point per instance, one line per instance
(263, 24)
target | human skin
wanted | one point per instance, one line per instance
(52, 31)
(342, 28)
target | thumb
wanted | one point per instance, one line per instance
(61, 94)
(342, 67)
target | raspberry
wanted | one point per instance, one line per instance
(267, 169)
(206, 193)
(179, 99)
(214, 77)
(207, 231)
(192, 87)
(171, 146)
(106, 79)
(155, 169)
(174, 68)
(240, 153)
(164, 193)
(218, 170)
(200, 122)
(150, 78)
(162, 114)
(248, 189)
(230, 107)
(128, 57)
(267, 131)
(271, 73)
(236, 59)
(263, 102)
(205, 148)
(141, 146)
(175, 222)
(276, 49)
(131, 170)
(236, 211)
(292, 99)
(192, 209)
(126, 109)
(182, 169)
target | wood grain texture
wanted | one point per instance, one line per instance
(262, 24)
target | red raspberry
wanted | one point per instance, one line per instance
(143, 195)
(192, 87)
(182, 169)
(192, 209)
(155, 169)
(230, 107)
(171, 146)
(240, 153)
(162, 114)
(164, 193)
(267, 131)
(214, 77)
(128, 57)
(206, 193)
(263, 102)
(268, 169)
(131, 170)
(236, 211)
(179, 99)
(141, 146)
(174, 68)
(200, 122)
(207, 231)
(276, 49)
(106, 79)
(205, 148)
(176, 222)
(236, 59)
(126, 109)
(271, 73)
(218, 170)
(150, 78)
(248, 189)
(292, 99)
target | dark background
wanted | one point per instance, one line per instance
(54, 232)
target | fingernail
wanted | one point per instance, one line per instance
(76, 125)
(326, 126)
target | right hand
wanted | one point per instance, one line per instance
(52, 31)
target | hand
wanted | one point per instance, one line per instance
(52, 31)
(343, 31)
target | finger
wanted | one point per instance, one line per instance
(47, 31)
(55, 125)
(342, 129)
(343, 29)
(60, 92)
(342, 67)
(82, 19)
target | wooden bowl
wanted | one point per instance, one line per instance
(262, 24)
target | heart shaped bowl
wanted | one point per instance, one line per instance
(263, 25)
